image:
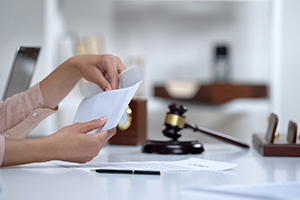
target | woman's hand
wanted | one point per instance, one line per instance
(94, 68)
(72, 144)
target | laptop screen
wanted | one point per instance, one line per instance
(22, 70)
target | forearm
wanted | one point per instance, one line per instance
(23, 151)
(93, 68)
(56, 86)
(70, 144)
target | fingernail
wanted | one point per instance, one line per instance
(103, 118)
(107, 89)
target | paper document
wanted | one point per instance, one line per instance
(191, 164)
(109, 103)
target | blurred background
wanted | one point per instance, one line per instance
(181, 42)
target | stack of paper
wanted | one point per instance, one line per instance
(187, 165)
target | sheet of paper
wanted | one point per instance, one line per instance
(110, 103)
(191, 164)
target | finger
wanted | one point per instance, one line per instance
(92, 125)
(101, 81)
(106, 135)
(115, 71)
(111, 132)
(107, 66)
(114, 81)
(113, 75)
(120, 65)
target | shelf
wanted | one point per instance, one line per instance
(216, 94)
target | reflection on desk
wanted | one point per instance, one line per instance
(49, 181)
(274, 191)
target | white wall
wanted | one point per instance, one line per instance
(288, 90)
(21, 23)
(176, 38)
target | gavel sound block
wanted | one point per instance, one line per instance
(175, 122)
(268, 145)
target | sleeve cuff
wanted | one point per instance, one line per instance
(23, 129)
(23, 112)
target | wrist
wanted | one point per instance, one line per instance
(44, 146)
(49, 149)
(73, 66)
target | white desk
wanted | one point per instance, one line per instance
(48, 181)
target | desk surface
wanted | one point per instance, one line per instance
(48, 181)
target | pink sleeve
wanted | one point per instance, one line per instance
(1, 149)
(20, 114)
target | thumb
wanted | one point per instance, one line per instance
(92, 125)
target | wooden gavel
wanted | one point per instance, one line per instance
(175, 122)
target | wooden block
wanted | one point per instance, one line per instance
(136, 133)
(277, 148)
(292, 132)
(273, 121)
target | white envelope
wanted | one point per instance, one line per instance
(110, 103)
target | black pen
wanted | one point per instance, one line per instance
(121, 171)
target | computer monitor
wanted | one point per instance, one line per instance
(22, 70)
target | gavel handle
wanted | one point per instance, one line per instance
(217, 135)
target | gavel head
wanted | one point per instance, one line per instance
(174, 121)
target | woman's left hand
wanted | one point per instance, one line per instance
(99, 68)
(102, 70)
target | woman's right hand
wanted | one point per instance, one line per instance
(72, 144)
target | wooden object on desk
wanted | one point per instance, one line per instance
(136, 133)
(215, 94)
(278, 148)
(268, 145)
